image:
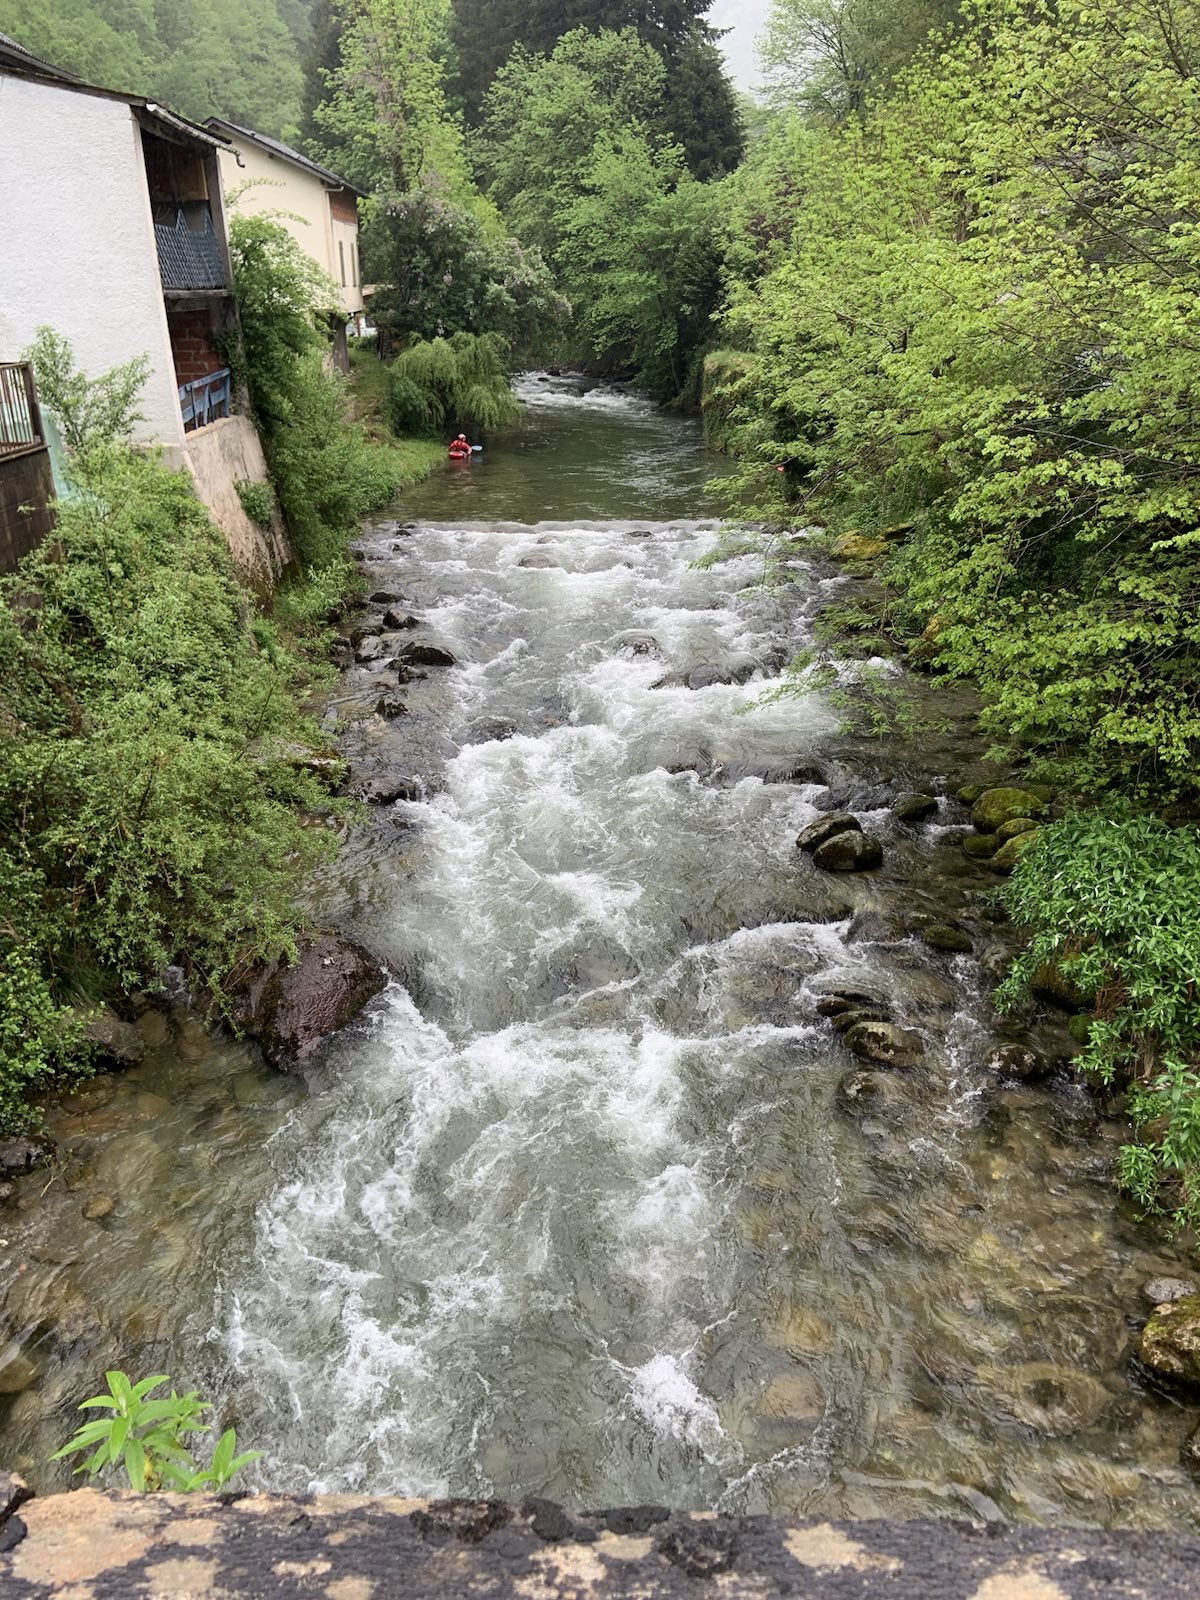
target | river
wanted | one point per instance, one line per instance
(576, 1210)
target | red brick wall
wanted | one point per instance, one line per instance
(191, 344)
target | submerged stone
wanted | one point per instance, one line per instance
(1171, 1341)
(947, 938)
(915, 807)
(1162, 1291)
(824, 828)
(886, 1044)
(981, 846)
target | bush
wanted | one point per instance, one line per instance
(1109, 898)
(146, 808)
(450, 384)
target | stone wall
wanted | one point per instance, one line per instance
(108, 1546)
(218, 457)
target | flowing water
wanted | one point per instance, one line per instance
(575, 1209)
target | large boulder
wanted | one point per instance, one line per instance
(399, 619)
(915, 807)
(19, 1155)
(1017, 1063)
(290, 1010)
(816, 833)
(848, 852)
(425, 655)
(1011, 851)
(1171, 1341)
(886, 1044)
(994, 807)
(116, 1043)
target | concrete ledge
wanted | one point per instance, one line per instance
(92, 1545)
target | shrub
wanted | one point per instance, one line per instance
(258, 501)
(1109, 898)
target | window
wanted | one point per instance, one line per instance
(354, 262)
(342, 260)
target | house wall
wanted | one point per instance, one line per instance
(280, 187)
(218, 458)
(77, 240)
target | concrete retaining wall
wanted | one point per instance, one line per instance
(217, 458)
(105, 1546)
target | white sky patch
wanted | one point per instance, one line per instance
(745, 19)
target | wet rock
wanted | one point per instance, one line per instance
(116, 1042)
(969, 793)
(1017, 1063)
(835, 1005)
(874, 927)
(14, 1492)
(1017, 825)
(490, 730)
(849, 852)
(1170, 1344)
(673, 680)
(371, 649)
(997, 806)
(537, 560)
(17, 1371)
(800, 1332)
(707, 675)
(97, 1206)
(1052, 1400)
(947, 938)
(915, 807)
(843, 1021)
(1009, 853)
(1051, 983)
(1189, 1453)
(1163, 1291)
(640, 644)
(390, 706)
(794, 1397)
(980, 846)
(400, 619)
(290, 1010)
(873, 1094)
(21, 1155)
(7, 1192)
(155, 1029)
(886, 1044)
(407, 674)
(383, 788)
(824, 828)
(638, 533)
(384, 597)
(856, 546)
(426, 655)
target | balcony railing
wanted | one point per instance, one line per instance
(189, 258)
(206, 400)
(20, 419)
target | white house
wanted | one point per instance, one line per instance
(114, 235)
(318, 209)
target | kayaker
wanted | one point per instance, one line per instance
(460, 449)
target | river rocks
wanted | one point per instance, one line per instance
(873, 1094)
(843, 1021)
(384, 597)
(113, 1041)
(537, 560)
(97, 1206)
(856, 546)
(1015, 825)
(399, 620)
(154, 1028)
(945, 937)
(848, 852)
(1017, 1063)
(915, 807)
(371, 648)
(1164, 1291)
(426, 655)
(794, 1397)
(979, 846)
(1189, 1453)
(17, 1371)
(290, 1010)
(1011, 851)
(390, 706)
(997, 806)
(886, 1044)
(707, 675)
(639, 644)
(21, 1155)
(827, 827)
(384, 788)
(1054, 1401)
(1170, 1345)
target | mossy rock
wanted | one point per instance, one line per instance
(981, 846)
(1079, 1026)
(1011, 851)
(1052, 984)
(969, 793)
(896, 532)
(1015, 825)
(915, 807)
(995, 807)
(1171, 1341)
(943, 936)
(855, 546)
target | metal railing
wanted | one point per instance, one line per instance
(206, 400)
(20, 418)
(189, 258)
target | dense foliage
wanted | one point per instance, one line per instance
(962, 294)
(145, 816)
(231, 58)
(451, 385)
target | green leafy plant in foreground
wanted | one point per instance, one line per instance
(147, 1437)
